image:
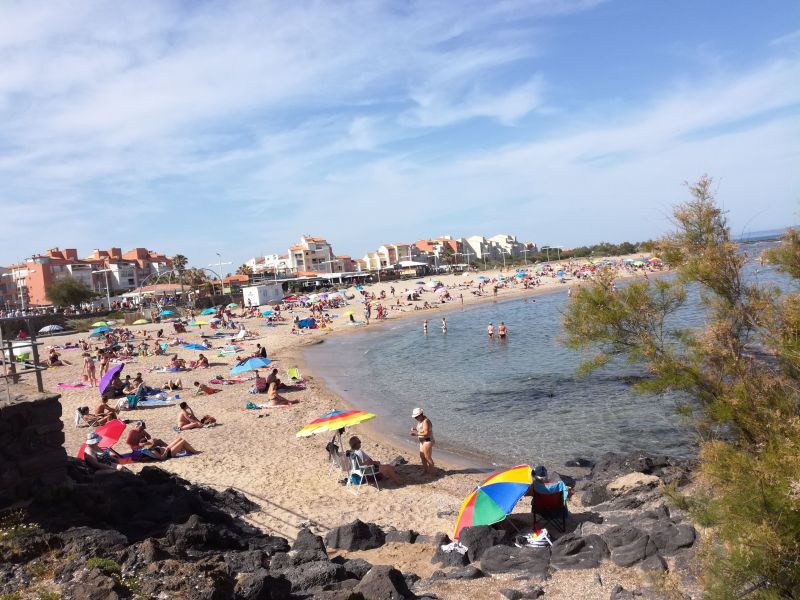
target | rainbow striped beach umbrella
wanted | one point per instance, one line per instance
(336, 419)
(494, 499)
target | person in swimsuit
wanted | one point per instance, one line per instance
(425, 327)
(444, 325)
(89, 370)
(501, 330)
(424, 433)
(187, 418)
(490, 330)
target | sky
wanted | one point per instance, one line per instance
(235, 127)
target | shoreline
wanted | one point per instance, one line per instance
(451, 457)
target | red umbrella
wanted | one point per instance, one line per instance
(110, 434)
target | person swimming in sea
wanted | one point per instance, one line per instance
(444, 325)
(425, 327)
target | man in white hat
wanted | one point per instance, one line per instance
(424, 433)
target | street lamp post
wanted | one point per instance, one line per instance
(219, 264)
(108, 290)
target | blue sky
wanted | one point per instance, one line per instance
(205, 127)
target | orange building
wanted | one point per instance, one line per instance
(121, 272)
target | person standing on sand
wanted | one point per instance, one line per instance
(424, 433)
(89, 370)
(444, 325)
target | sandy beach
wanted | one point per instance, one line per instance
(257, 452)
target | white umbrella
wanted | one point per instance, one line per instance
(51, 329)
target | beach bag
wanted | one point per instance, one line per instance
(208, 420)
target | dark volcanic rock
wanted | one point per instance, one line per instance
(628, 545)
(403, 536)
(654, 564)
(594, 493)
(247, 561)
(312, 574)
(356, 568)
(383, 583)
(195, 534)
(579, 462)
(573, 551)
(534, 562)
(261, 585)
(479, 539)
(468, 572)
(448, 559)
(308, 547)
(620, 593)
(93, 585)
(86, 541)
(670, 537)
(523, 594)
(356, 536)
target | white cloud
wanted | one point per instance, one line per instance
(336, 117)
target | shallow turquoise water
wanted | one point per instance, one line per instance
(509, 401)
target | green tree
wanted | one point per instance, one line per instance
(179, 262)
(68, 291)
(741, 371)
(244, 270)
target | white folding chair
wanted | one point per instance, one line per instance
(362, 472)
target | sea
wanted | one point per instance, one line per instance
(512, 401)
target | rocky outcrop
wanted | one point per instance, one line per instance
(32, 455)
(356, 536)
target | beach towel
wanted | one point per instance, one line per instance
(70, 386)
(154, 403)
(230, 381)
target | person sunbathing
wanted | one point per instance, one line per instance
(275, 399)
(85, 417)
(169, 450)
(385, 470)
(201, 389)
(187, 419)
(202, 362)
(139, 437)
(173, 384)
(102, 461)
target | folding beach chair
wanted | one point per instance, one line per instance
(549, 501)
(359, 473)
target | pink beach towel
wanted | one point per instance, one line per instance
(71, 385)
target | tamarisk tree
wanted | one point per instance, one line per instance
(740, 372)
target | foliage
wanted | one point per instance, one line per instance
(245, 269)
(179, 262)
(11, 596)
(82, 324)
(106, 565)
(741, 371)
(69, 291)
(48, 595)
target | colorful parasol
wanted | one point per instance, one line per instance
(141, 322)
(335, 420)
(251, 364)
(494, 499)
(100, 324)
(110, 434)
(105, 380)
(209, 311)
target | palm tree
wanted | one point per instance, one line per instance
(245, 269)
(179, 262)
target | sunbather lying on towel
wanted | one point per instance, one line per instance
(201, 389)
(140, 441)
